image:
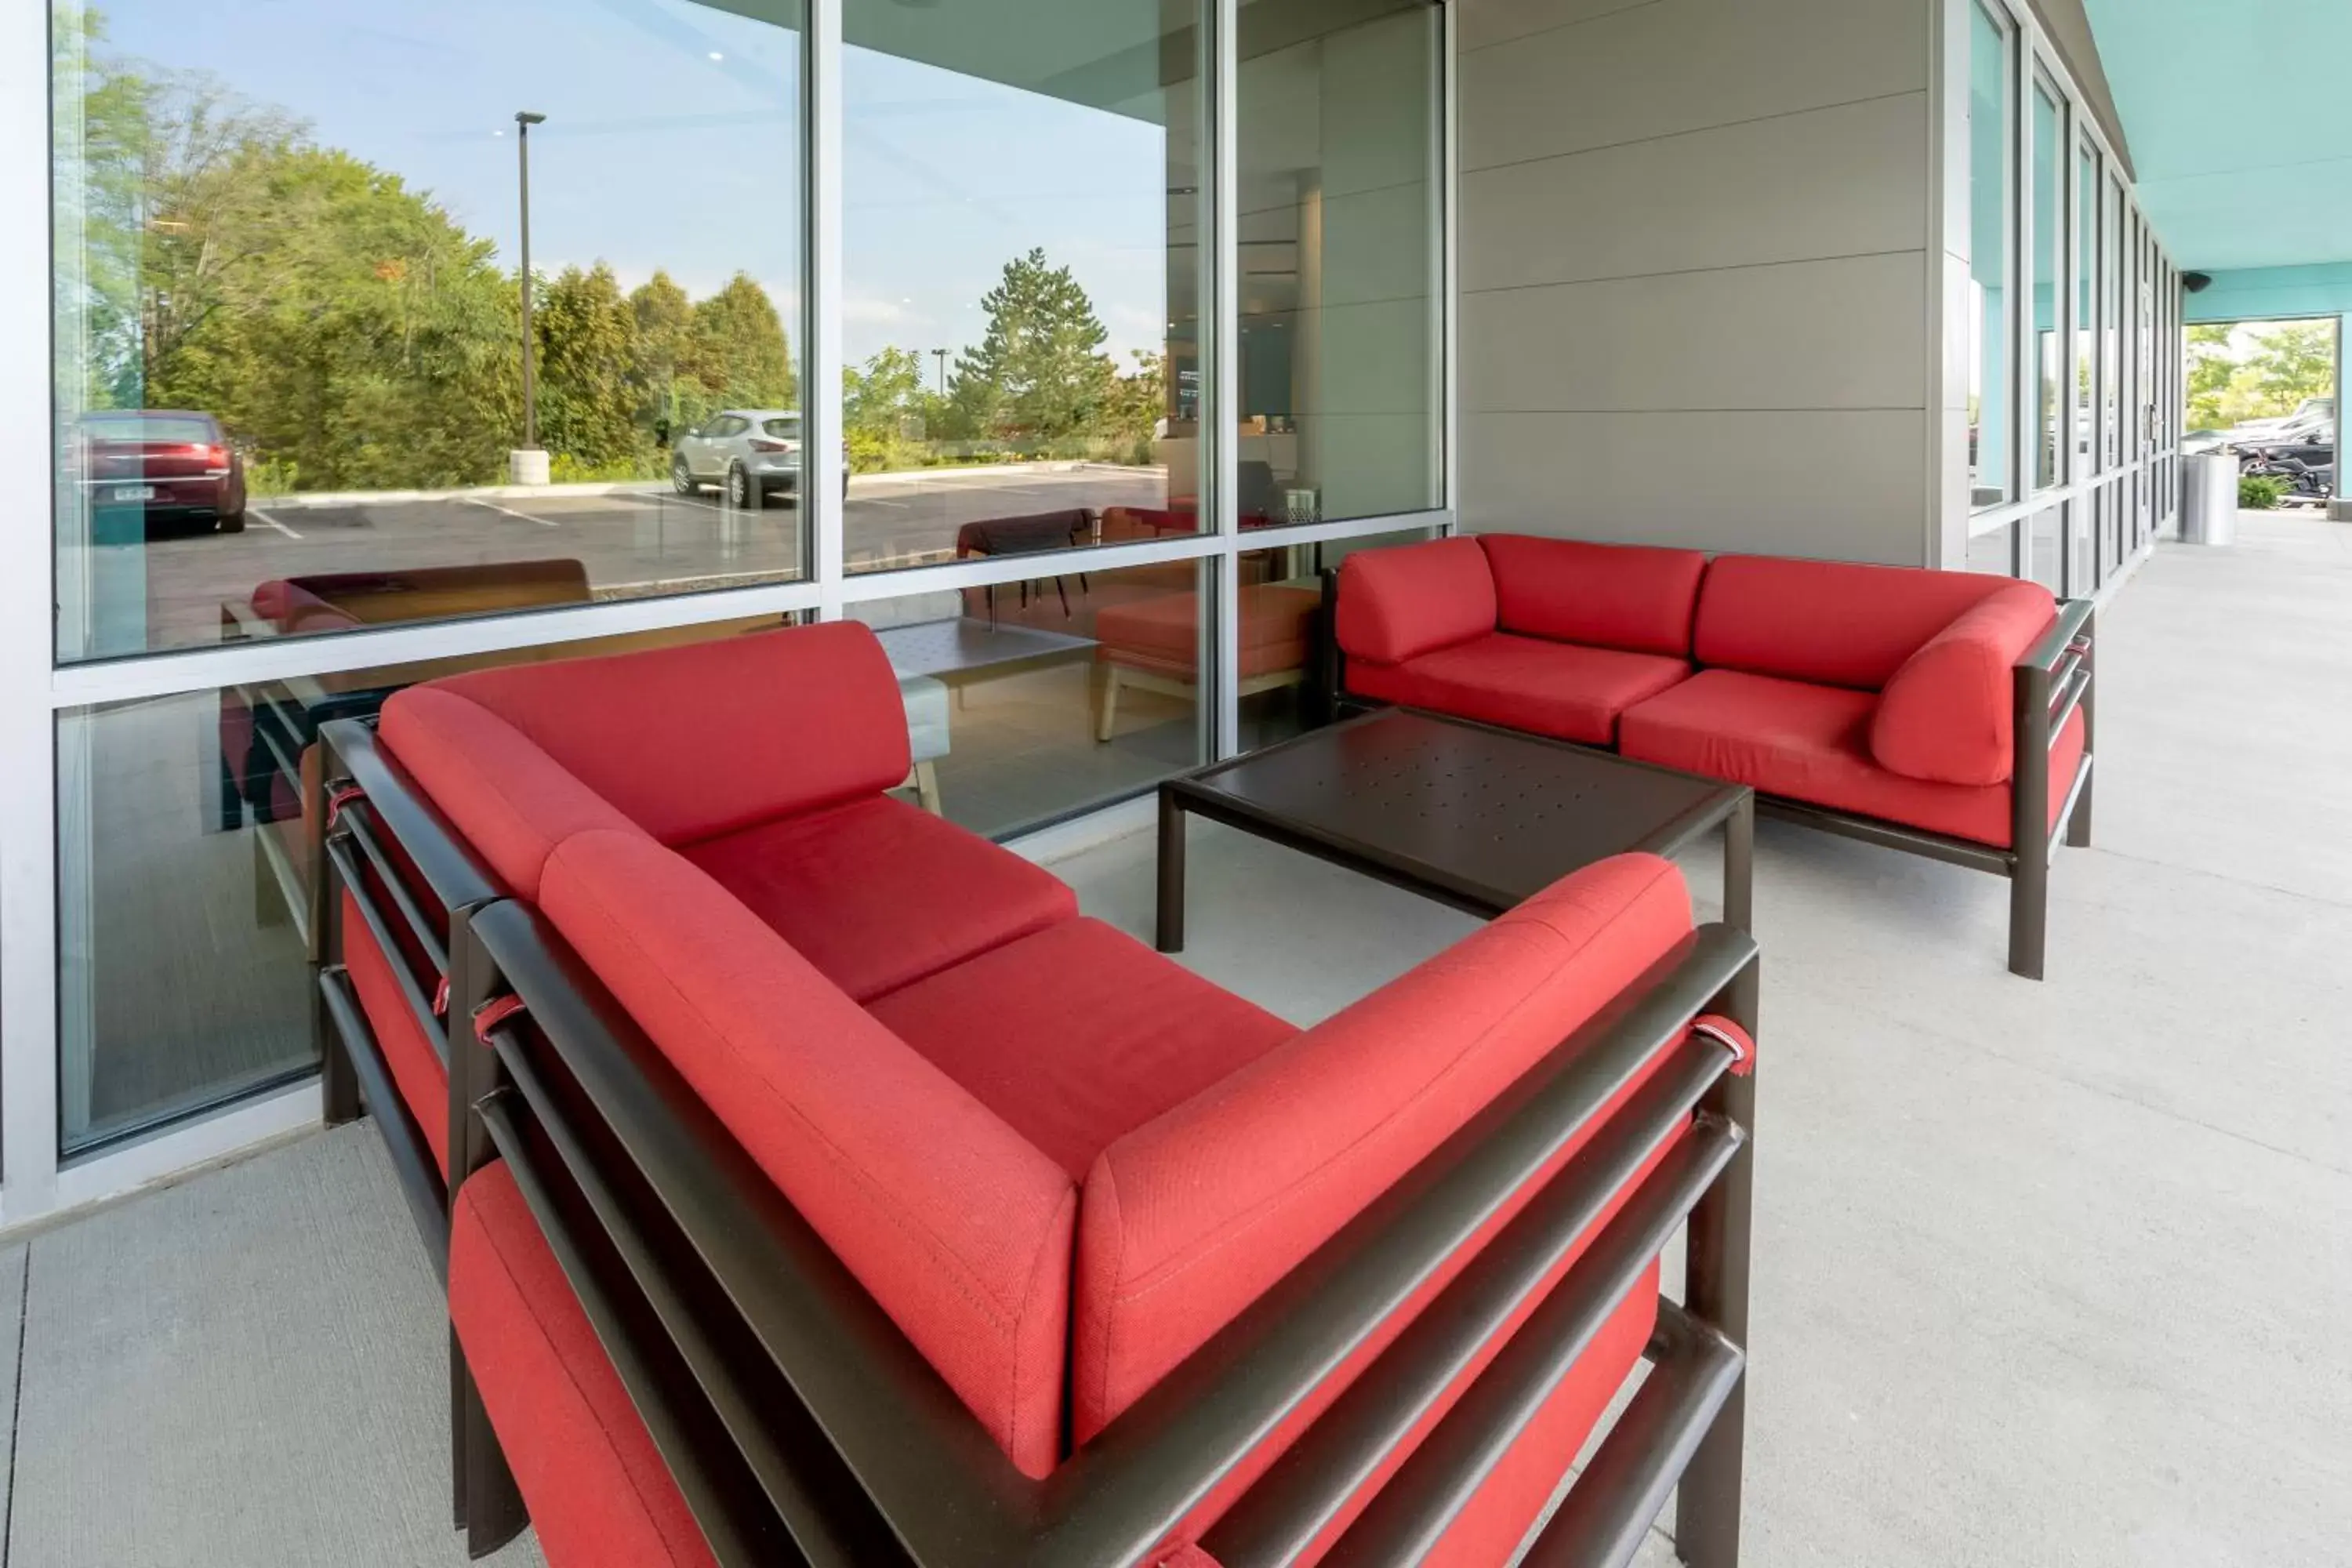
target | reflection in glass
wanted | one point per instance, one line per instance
(1020, 320)
(2110, 317)
(186, 848)
(289, 344)
(1277, 585)
(1990, 77)
(2086, 310)
(2049, 249)
(1336, 142)
(1037, 699)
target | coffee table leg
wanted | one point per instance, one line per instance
(1172, 872)
(1739, 866)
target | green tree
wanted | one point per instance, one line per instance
(2281, 365)
(588, 367)
(736, 348)
(1039, 371)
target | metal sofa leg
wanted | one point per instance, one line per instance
(2078, 826)
(2028, 911)
(493, 1505)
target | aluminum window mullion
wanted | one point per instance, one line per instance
(823, 497)
(29, 1069)
(1221, 384)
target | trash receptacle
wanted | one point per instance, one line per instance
(2209, 498)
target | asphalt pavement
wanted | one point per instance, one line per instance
(631, 541)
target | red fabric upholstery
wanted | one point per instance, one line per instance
(878, 893)
(958, 1227)
(1811, 744)
(1630, 596)
(415, 1066)
(1079, 1034)
(599, 1494)
(667, 735)
(1487, 1531)
(1411, 599)
(505, 796)
(1949, 714)
(1188, 1219)
(1831, 622)
(1557, 689)
(1164, 633)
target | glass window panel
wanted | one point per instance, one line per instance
(2086, 310)
(2049, 251)
(2110, 317)
(1994, 553)
(2045, 550)
(1341, 222)
(300, 240)
(1991, 76)
(1020, 320)
(184, 868)
(1037, 699)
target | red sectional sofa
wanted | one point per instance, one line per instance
(821, 1171)
(1945, 713)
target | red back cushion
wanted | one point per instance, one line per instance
(713, 737)
(1949, 714)
(1191, 1217)
(1830, 622)
(508, 799)
(1411, 599)
(959, 1227)
(1630, 596)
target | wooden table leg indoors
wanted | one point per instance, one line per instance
(1170, 935)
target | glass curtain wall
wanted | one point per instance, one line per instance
(370, 330)
(1991, 73)
(2048, 254)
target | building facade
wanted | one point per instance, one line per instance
(1066, 343)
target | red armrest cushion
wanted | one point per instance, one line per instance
(1947, 714)
(1635, 598)
(1411, 599)
(1192, 1216)
(958, 1227)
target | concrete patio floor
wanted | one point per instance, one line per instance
(2045, 1274)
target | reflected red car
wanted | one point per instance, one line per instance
(171, 466)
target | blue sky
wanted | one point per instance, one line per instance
(669, 143)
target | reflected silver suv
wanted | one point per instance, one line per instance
(750, 454)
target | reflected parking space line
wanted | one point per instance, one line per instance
(255, 512)
(493, 506)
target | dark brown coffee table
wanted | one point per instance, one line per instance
(1477, 817)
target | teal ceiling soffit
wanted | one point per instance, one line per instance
(2236, 111)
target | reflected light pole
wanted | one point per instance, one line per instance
(941, 355)
(524, 121)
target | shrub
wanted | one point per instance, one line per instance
(2261, 492)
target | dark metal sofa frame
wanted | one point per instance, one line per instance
(2048, 682)
(803, 1427)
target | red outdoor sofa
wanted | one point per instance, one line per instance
(828, 1189)
(1944, 713)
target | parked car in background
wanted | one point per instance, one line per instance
(749, 453)
(171, 465)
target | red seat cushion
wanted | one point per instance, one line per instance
(1164, 633)
(960, 1229)
(1557, 689)
(1950, 713)
(599, 1494)
(1811, 743)
(1411, 599)
(710, 738)
(878, 893)
(1192, 1216)
(1826, 621)
(1079, 1034)
(1630, 596)
(416, 1066)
